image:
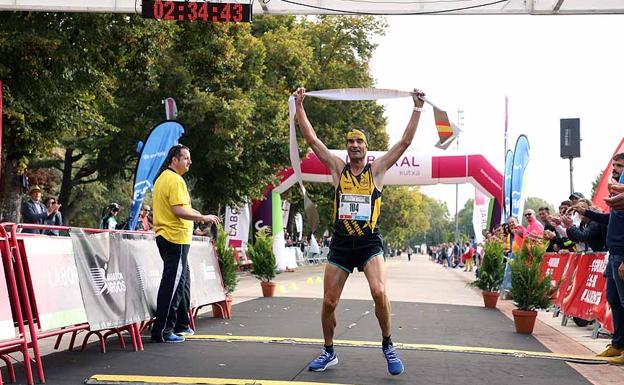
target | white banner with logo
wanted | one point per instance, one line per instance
(55, 283)
(109, 280)
(237, 224)
(120, 275)
(480, 213)
(206, 283)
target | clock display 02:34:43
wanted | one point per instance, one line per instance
(195, 11)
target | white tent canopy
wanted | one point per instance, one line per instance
(317, 7)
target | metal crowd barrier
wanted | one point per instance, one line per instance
(25, 310)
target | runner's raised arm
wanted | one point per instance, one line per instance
(334, 163)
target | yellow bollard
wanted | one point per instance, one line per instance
(318, 280)
(292, 286)
(281, 289)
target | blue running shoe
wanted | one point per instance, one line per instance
(395, 366)
(173, 338)
(186, 332)
(324, 360)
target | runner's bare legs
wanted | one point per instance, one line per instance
(375, 272)
(334, 282)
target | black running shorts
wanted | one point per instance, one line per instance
(349, 252)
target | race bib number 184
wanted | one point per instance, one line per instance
(355, 207)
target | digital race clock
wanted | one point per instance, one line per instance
(196, 11)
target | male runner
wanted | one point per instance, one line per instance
(356, 241)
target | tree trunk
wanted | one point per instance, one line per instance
(11, 193)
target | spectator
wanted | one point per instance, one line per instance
(534, 228)
(173, 222)
(35, 212)
(467, 257)
(109, 220)
(615, 266)
(575, 197)
(409, 253)
(590, 234)
(516, 234)
(144, 223)
(55, 220)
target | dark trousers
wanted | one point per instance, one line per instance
(615, 298)
(174, 293)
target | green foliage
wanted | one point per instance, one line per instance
(528, 289)
(403, 214)
(595, 184)
(227, 263)
(262, 257)
(440, 227)
(81, 89)
(492, 270)
(464, 220)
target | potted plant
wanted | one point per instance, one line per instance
(529, 290)
(491, 272)
(263, 263)
(229, 267)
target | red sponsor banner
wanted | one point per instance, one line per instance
(554, 264)
(567, 279)
(588, 288)
(602, 190)
(603, 314)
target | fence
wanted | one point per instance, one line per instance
(581, 287)
(99, 282)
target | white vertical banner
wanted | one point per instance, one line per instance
(285, 212)
(299, 225)
(237, 224)
(314, 246)
(480, 215)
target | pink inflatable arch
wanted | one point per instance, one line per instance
(412, 169)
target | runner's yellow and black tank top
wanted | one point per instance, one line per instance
(357, 203)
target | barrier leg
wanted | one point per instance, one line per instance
(122, 343)
(58, 341)
(72, 340)
(564, 320)
(191, 319)
(596, 330)
(133, 337)
(10, 370)
(100, 337)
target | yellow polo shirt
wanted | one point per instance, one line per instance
(170, 190)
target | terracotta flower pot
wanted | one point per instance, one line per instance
(524, 320)
(217, 311)
(268, 288)
(490, 298)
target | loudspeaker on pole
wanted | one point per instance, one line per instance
(570, 138)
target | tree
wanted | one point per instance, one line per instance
(60, 74)
(466, 229)
(403, 214)
(440, 226)
(535, 203)
(595, 183)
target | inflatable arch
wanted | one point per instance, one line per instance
(412, 169)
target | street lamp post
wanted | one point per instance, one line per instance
(460, 123)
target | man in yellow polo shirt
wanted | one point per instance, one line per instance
(173, 224)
